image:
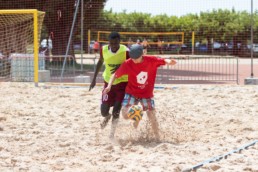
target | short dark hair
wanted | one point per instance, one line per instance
(114, 35)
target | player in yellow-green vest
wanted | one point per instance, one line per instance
(113, 55)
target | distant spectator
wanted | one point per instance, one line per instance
(46, 46)
(130, 43)
(50, 45)
(43, 46)
(96, 47)
(145, 45)
(138, 41)
(160, 46)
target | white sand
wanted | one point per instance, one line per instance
(57, 129)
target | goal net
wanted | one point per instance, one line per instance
(19, 38)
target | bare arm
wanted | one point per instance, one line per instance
(98, 67)
(110, 83)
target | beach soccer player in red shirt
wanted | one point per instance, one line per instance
(141, 70)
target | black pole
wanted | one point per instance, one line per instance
(252, 39)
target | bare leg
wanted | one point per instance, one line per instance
(113, 127)
(115, 114)
(124, 112)
(105, 113)
(154, 122)
(105, 121)
(135, 124)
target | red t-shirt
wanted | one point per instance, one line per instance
(96, 45)
(141, 76)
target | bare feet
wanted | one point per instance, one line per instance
(113, 128)
(105, 122)
(135, 124)
(157, 137)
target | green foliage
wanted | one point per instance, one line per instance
(60, 26)
(221, 25)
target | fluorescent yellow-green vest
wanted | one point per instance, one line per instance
(112, 60)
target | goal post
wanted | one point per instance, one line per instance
(20, 32)
(152, 37)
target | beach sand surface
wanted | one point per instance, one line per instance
(58, 129)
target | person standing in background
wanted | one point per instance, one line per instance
(160, 46)
(96, 47)
(130, 43)
(145, 45)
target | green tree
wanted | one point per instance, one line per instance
(59, 17)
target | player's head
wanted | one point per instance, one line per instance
(114, 41)
(136, 52)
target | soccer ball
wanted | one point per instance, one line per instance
(135, 112)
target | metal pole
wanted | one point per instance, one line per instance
(82, 19)
(252, 39)
(193, 43)
(70, 38)
(237, 59)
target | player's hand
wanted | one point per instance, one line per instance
(92, 85)
(113, 70)
(106, 90)
(172, 62)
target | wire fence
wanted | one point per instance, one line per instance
(212, 36)
(189, 69)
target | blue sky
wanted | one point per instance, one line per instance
(178, 7)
